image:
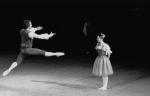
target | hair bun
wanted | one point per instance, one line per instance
(102, 36)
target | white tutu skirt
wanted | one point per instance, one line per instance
(102, 66)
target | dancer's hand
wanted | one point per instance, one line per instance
(39, 28)
(51, 34)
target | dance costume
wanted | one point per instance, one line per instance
(26, 47)
(102, 65)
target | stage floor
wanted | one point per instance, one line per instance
(64, 76)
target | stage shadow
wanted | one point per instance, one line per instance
(116, 80)
(129, 79)
(77, 86)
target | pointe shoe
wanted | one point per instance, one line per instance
(11, 67)
(102, 88)
(60, 54)
(6, 72)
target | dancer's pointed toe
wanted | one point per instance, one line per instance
(11, 67)
(6, 72)
(60, 54)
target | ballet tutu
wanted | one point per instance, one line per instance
(102, 66)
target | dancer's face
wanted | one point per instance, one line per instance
(30, 28)
(30, 24)
(99, 39)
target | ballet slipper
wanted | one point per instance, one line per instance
(6, 72)
(11, 67)
(102, 88)
(59, 54)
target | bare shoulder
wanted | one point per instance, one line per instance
(107, 46)
(21, 30)
(24, 31)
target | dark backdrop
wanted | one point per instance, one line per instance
(125, 24)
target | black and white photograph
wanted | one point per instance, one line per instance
(74, 48)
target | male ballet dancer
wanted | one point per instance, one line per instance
(85, 31)
(27, 36)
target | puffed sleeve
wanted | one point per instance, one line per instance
(107, 48)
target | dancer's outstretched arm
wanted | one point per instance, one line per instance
(41, 36)
(51, 34)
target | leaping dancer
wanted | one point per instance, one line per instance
(27, 36)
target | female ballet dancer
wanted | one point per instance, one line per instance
(27, 36)
(102, 65)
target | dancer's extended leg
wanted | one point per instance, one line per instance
(53, 54)
(35, 51)
(14, 64)
(31, 51)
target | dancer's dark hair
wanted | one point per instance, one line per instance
(102, 36)
(26, 22)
